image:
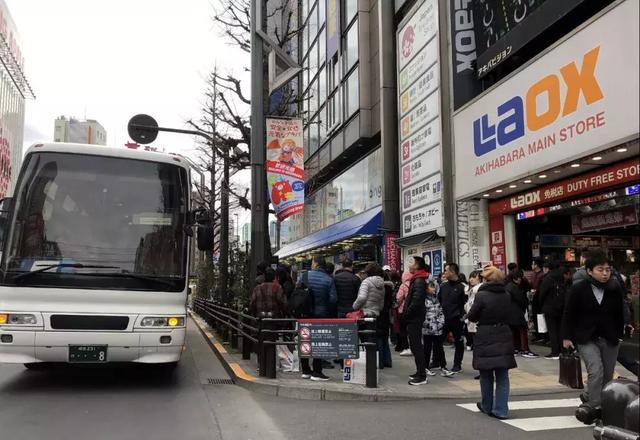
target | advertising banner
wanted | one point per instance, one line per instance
(391, 251)
(328, 338)
(419, 121)
(285, 166)
(611, 176)
(597, 221)
(571, 102)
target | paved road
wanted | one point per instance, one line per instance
(124, 404)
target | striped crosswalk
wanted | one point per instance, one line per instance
(545, 423)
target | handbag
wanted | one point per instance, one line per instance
(571, 370)
(358, 314)
(542, 323)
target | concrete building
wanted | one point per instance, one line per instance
(87, 131)
(14, 89)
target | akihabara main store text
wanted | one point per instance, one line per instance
(553, 150)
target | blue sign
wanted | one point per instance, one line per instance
(632, 190)
(436, 266)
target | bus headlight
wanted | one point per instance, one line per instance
(162, 321)
(18, 319)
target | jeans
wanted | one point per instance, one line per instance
(454, 326)
(435, 343)
(520, 338)
(317, 366)
(414, 330)
(600, 359)
(498, 405)
(384, 352)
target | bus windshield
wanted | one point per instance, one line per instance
(89, 217)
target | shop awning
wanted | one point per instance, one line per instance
(418, 239)
(366, 223)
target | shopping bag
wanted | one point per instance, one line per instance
(288, 361)
(542, 324)
(571, 370)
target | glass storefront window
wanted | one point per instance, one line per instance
(313, 98)
(322, 11)
(355, 191)
(313, 61)
(322, 47)
(322, 86)
(352, 94)
(351, 47)
(313, 24)
(313, 136)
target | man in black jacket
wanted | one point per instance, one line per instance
(552, 293)
(347, 285)
(452, 298)
(594, 321)
(413, 317)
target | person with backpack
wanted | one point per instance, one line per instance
(268, 297)
(314, 297)
(553, 291)
(413, 316)
(347, 285)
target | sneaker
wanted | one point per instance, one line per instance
(406, 352)
(588, 415)
(477, 377)
(529, 355)
(456, 369)
(516, 352)
(306, 375)
(447, 373)
(419, 380)
(430, 373)
(552, 357)
(434, 366)
(319, 377)
(469, 348)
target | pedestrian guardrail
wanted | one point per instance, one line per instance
(262, 334)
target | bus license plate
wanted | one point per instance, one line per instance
(87, 353)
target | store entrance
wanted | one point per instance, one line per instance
(559, 233)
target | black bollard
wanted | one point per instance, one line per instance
(270, 351)
(246, 342)
(262, 367)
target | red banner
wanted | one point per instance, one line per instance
(597, 221)
(621, 173)
(392, 252)
(498, 250)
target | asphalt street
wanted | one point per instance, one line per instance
(137, 403)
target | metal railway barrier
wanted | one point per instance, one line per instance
(261, 335)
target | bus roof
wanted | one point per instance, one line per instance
(100, 150)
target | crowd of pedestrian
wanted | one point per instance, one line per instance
(493, 314)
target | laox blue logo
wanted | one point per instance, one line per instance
(516, 112)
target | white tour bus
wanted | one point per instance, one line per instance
(95, 248)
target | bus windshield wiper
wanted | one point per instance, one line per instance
(59, 265)
(127, 274)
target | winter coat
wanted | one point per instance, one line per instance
(403, 291)
(414, 309)
(584, 319)
(472, 327)
(384, 319)
(493, 343)
(370, 296)
(347, 286)
(434, 317)
(518, 304)
(553, 291)
(324, 293)
(580, 275)
(268, 298)
(452, 297)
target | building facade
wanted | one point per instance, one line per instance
(14, 89)
(474, 132)
(77, 131)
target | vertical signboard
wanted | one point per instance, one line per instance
(391, 252)
(419, 120)
(333, 27)
(285, 166)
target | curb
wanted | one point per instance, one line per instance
(314, 392)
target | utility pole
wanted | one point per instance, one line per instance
(212, 144)
(224, 227)
(259, 208)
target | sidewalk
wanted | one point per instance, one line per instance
(532, 377)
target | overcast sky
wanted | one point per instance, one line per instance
(111, 59)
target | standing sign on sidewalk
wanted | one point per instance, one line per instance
(328, 338)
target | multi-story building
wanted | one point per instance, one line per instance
(14, 89)
(245, 234)
(73, 130)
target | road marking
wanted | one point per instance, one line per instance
(545, 423)
(531, 404)
(237, 369)
(220, 348)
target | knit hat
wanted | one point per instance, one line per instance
(492, 274)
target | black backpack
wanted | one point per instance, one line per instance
(301, 302)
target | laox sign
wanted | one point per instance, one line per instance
(525, 199)
(515, 112)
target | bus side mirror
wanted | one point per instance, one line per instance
(205, 238)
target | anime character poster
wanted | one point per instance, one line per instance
(285, 166)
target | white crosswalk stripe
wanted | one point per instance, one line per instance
(538, 423)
